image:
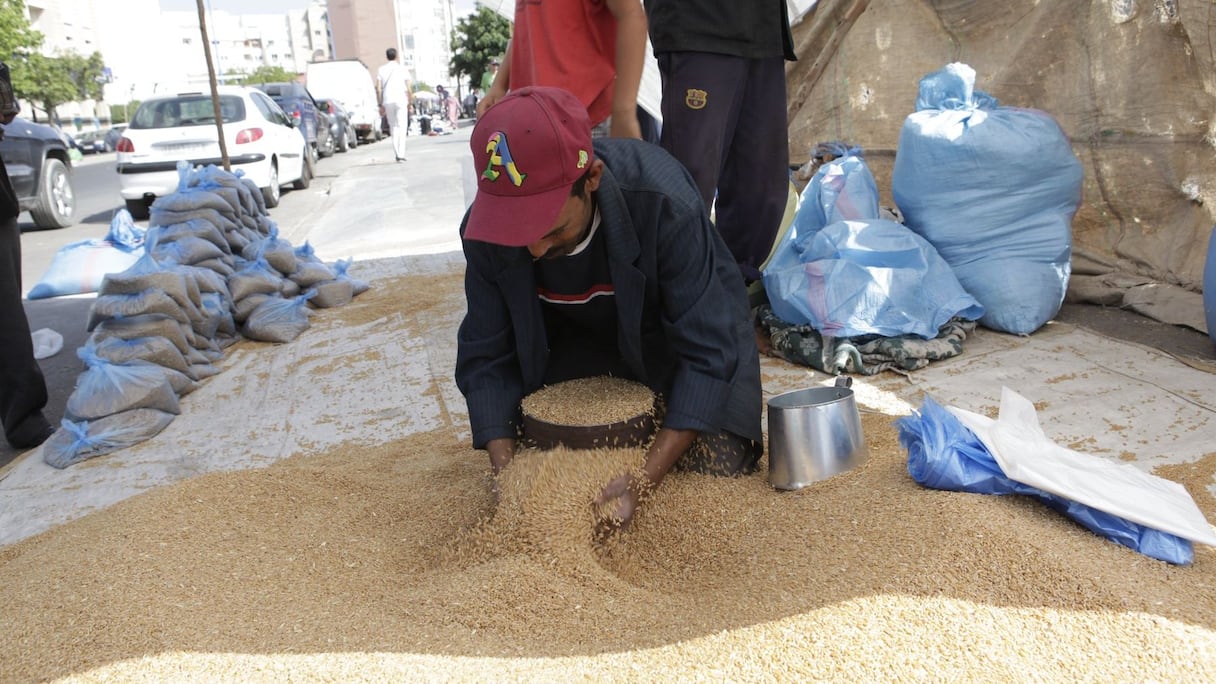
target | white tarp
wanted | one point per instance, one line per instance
(1027, 455)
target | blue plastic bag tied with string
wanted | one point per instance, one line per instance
(994, 190)
(76, 441)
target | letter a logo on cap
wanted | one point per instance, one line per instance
(500, 155)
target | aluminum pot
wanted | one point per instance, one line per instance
(813, 434)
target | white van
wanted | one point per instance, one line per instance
(349, 82)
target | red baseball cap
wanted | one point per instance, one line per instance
(528, 150)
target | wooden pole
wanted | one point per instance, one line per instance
(215, 95)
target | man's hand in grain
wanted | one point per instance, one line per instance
(617, 503)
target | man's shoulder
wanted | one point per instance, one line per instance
(632, 154)
(639, 166)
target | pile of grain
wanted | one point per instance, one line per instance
(598, 400)
(392, 564)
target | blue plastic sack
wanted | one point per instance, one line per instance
(106, 388)
(945, 454)
(874, 277)
(77, 441)
(994, 189)
(79, 267)
(842, 189)
(342, 272)
(279, 320)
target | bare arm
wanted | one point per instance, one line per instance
(620, 497)
(630, 56)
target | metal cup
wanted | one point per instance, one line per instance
(813, 434)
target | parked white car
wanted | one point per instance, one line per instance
(262, 142)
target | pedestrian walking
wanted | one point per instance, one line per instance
(393, 88)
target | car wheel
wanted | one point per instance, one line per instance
(326, 150)
(305, 178)
(138, 209)
(56, 199)
(272, 192)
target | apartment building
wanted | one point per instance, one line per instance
(420, 30)
(149, 51)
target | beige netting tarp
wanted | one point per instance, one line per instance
(1131, 82)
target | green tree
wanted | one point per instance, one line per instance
(86, 73)
(17, 39)
(477, 39)
(118, 112)
(46, 82)
(267, 74)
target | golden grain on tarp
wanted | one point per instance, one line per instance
(596, 400)
(391, 563)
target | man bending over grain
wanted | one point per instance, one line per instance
(586, 261)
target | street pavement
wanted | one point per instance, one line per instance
(1126, 400)
(362, 205)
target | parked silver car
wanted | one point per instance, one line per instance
(340, 124)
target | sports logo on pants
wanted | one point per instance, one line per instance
(696, 99)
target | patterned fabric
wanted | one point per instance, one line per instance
(866, 355)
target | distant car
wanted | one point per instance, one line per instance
(300, 105)
(75, 153)
(91, 142)
(262, 141)
(40, 168)
(340, 124)
(350, 82)
(113, 135)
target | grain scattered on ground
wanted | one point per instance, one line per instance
(391, 563)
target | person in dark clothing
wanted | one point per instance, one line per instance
(22, 387)
(590, 260)
(722, 63)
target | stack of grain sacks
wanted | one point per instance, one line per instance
(215, 272)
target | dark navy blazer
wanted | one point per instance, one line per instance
(684, 326)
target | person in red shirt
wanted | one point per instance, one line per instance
(592, 48)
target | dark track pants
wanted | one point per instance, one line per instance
(22, 387)
(724, 118)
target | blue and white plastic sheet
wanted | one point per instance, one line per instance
(954, 449)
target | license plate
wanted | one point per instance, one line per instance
(182, 147)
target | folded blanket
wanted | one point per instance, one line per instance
(863, 355)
